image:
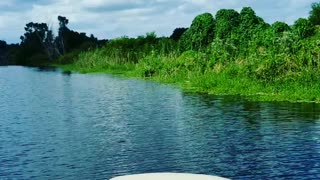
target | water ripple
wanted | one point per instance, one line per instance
(58, 126)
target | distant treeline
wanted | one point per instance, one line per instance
(229, 53)
(39, 46)
(227, 36)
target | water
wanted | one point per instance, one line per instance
(56, 125)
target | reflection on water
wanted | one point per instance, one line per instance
(55, 125)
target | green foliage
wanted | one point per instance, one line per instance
(35, 42)
(8, 53)
(69, 58)
(63, 22)
(280, 27)
(177, 33)
(243, 55)
(227, 20)
(127, 51)
(222, 51)
(303, 28)
(314, 17)
(192, 61)
(248, 19)
(235, 53)
(38, 59)
(39, 45)
(3, 44)
(250, 24)
(200, 33)
(69, 40)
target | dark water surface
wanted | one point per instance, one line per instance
(74, 126)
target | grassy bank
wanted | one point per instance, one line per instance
(196, 72)
(231, 54)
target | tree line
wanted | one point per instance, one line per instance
(229, 34)
(40, 46)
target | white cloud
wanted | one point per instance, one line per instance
(114, 18)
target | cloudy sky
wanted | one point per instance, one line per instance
(115, 18)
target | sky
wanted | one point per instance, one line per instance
(108, 19)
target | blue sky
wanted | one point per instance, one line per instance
(115, 18)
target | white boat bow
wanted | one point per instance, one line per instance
(168, 176)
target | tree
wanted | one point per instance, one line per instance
(250, 23)
(63, 22)
(279, 27)
(177, 33)
(200, 33)
(63, 29)
(69, 40)
(36, 30)
(248, 18)
(227, 20)
(3, 44)
(251, 28)
(36, 41)
(303, 28)
(314, 17)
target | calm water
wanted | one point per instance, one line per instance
(73, 126)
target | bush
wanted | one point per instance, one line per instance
(227, 20)
(69, 57)
(279, 27)
(314, 17)
(177, 33)
(303, 28)
(200, 34)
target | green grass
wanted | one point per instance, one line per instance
(281, 72)
(190, 74)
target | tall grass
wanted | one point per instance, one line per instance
(285, 69)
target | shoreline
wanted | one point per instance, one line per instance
(283, 95)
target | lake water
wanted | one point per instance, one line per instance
(56, 125)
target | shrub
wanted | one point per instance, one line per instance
(314, 17)
(303, 28)
(200, 34)
(227, 20)
(279, 27)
